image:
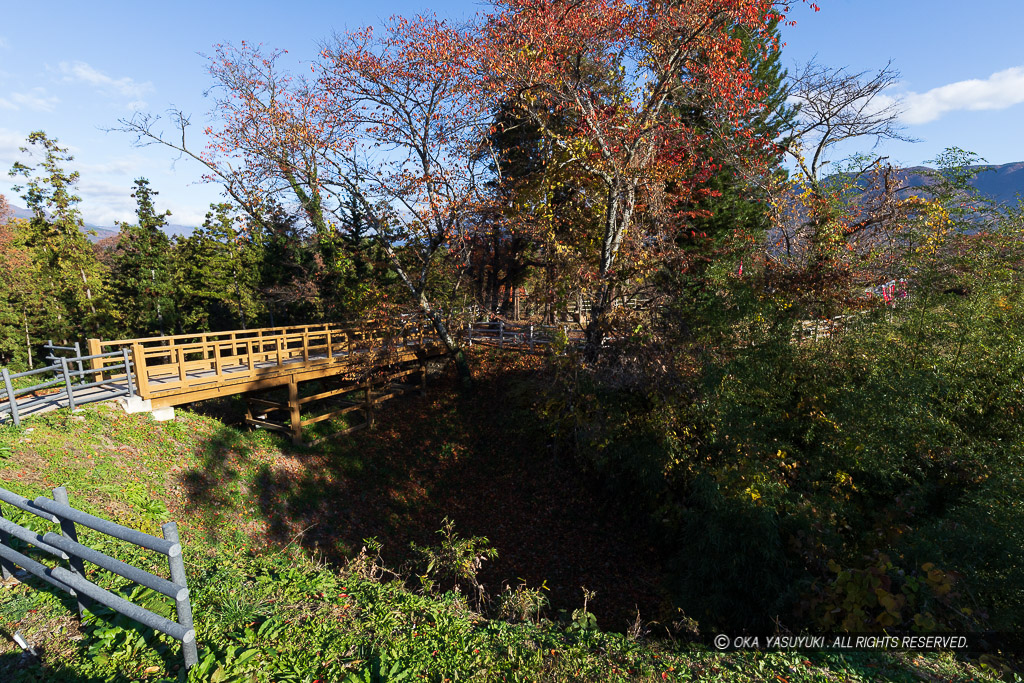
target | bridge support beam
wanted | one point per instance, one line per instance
(293, 411)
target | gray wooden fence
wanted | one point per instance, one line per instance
(66, 548)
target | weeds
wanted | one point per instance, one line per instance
(456, 563)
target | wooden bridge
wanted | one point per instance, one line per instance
(368, 362)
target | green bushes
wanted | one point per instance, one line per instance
(866, 480)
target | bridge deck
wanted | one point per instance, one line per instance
(180, 369)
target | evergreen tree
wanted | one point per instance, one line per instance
(284, 268)
(72, 300)
(141, 277)
(216, 275)
(722, 226)
(735, 203)
(17, 291)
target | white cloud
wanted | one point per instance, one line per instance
(3, 43)
(1000, 90)
(36, 100)
(10, 143)
(84, 73)
(131, 165)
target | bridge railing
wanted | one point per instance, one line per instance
(180, 363)
(111, 371)
(502, 333)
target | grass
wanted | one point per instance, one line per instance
(283, 589)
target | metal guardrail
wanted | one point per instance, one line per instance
(65, 547)
(65, 374)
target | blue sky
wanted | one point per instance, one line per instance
(74, 68)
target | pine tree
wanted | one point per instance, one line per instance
(216, 275)
(141, 278)
(735, 211)
(73, 302)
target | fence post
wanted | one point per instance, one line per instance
(6, 566)
(93, 347)
(501, 334)
(184, 605)
(531, 338)
(67, 382)
(128, 371)
(10, 398)
(78, 354)
(67, 528)
(141, 374)
(469, 332)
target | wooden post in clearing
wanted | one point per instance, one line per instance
(293, 411)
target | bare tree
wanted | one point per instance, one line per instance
(835, 107)
(388, 122)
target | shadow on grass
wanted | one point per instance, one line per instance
(470, 455)
(53, 646)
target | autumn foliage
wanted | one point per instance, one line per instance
(623, 75)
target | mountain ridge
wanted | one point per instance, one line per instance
(102, 232)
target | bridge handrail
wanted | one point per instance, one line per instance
(185, 362)
(113, 364)
(171, 339)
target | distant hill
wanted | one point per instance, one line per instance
(102, 232)
(1001, 184)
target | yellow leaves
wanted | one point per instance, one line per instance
(843, 483)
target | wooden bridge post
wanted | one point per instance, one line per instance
(141, 373)
(93, 348)
(368, 404)
(293, 411)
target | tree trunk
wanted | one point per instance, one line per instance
(595, 330)
(454, 350)
(28, 340)
(451, 345)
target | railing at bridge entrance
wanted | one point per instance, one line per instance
(178, 369)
